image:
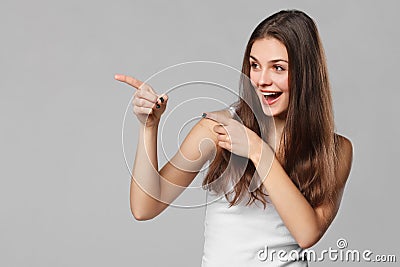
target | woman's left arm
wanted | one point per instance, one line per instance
(306, 224)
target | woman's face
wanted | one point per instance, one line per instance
(269, 66)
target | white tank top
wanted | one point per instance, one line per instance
(246, 236)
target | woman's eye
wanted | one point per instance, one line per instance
(253, 65)
(279, 68)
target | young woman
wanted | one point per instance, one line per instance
(300, 163)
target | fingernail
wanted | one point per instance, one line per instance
(162, 99)
(204, 115)
(158, 106)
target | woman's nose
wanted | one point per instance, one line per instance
(265, 79)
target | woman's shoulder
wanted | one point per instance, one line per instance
(203, 137)
(345, 157)
(209, 123)
(204, 130)
(345, 144)
(199, 144)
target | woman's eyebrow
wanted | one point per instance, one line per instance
(253, 58)
(277, 60)
(271, 61)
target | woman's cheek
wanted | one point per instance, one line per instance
(283, 83)
(253, 78)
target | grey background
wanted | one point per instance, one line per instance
(64, 192)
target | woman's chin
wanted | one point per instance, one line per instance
(274, 113)
(267, 111)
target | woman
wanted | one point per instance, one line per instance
(283, 137)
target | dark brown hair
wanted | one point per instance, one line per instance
(308, 143)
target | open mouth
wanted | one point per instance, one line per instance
(271, 97)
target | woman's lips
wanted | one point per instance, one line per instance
(268, 97)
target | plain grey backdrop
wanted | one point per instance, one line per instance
(64, 192)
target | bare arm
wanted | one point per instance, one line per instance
(306, 224)
(152, 190)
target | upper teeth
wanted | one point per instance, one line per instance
(268, 93)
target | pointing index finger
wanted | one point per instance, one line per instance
(129, 80)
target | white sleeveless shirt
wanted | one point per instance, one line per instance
(247, 236)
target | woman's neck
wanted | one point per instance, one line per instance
(279, 125)
(276, 132)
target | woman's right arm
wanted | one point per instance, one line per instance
(152, 190)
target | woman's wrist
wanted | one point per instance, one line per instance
(149, 131)
(255, 148)
(260, 149)
(151, 127)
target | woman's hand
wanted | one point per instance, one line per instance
(234, 136)
(147, 105)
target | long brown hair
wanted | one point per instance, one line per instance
(308, 143)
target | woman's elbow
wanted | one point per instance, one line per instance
(141, 216)
(141, 211)
(309, 240)
(304, 244)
